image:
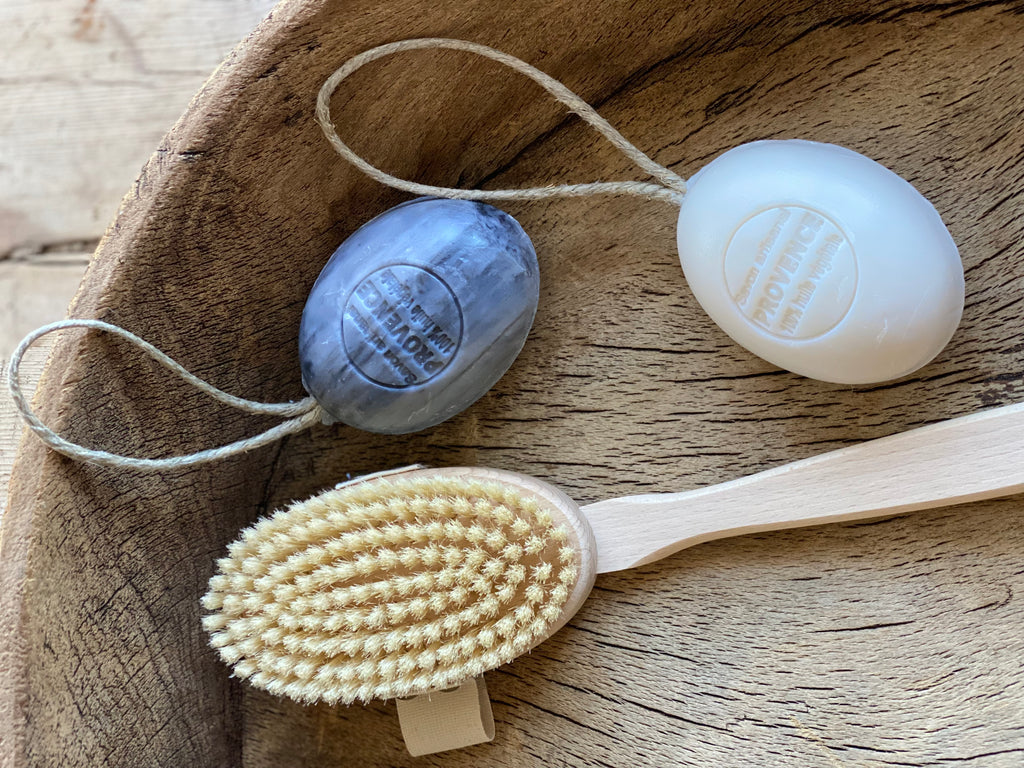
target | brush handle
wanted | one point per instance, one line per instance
(965, 459)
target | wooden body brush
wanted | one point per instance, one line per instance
(418, 579)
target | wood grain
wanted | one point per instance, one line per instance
(890, 643)
(87, 88)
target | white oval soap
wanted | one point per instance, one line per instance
(820, 261)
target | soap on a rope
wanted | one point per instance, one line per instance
(418, 314)
(821, 261)
(811, 256)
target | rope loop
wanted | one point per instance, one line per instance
(305, 412)
(672, 187)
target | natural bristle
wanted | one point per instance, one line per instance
(391, 587)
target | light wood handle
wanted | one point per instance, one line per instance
(965, 459)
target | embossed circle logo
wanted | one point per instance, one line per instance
(402, 326)
(791, 271)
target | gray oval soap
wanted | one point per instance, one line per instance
(418, 314)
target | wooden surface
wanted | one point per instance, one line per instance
(87, 88)
(875, 644)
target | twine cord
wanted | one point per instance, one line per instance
(672, 187)
(304, 413)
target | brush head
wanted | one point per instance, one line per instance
(399, 584)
